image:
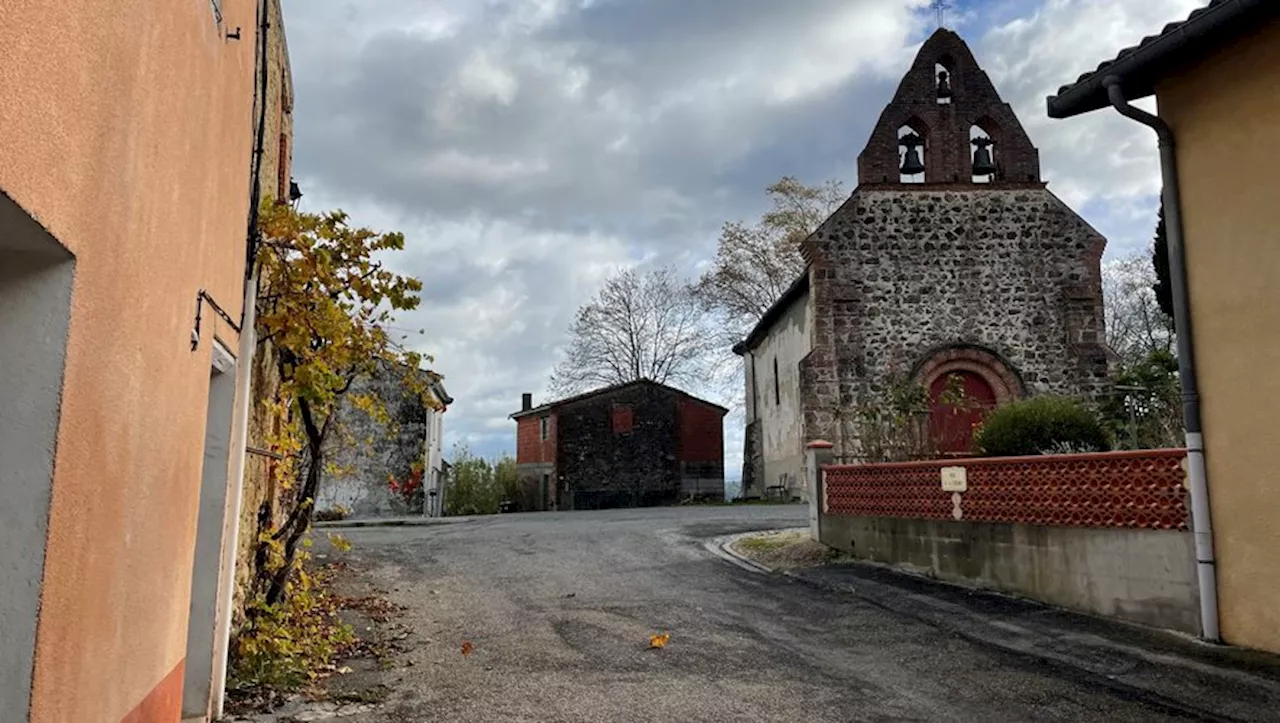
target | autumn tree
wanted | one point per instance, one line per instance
(638, 326)
(755, 263)
(325, 305)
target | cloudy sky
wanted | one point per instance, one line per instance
(528, 148)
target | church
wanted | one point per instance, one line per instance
(950, 263)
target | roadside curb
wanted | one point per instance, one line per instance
(395, 522)
(722, 547)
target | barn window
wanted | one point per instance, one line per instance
(544, 424)
(623, 419)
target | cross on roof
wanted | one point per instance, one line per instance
(941, 7)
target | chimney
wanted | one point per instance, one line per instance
(526, 402)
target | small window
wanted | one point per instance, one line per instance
(623, 419)
(777, 385)
(544, 426)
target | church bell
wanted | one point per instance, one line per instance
(911, 163)
(944, 85)
(983, 165)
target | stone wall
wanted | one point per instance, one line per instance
(259, 508)
(604, 468)
(898, 275)
(365, 452)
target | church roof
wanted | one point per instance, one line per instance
(1141, 66)
(797, 289)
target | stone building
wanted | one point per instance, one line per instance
(365, 451)
(636, 444)
(950, 260)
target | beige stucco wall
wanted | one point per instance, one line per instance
(126, 131)
(1225, 113)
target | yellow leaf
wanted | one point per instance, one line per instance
(659, 641)
(340, 543)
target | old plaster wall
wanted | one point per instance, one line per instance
(126, 132)
(365, 451)
(1223, 111)
(899, 274)
(1143, 576)
(777, 401)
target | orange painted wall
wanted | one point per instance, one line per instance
(126, 130)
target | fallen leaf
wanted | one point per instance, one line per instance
(467, 647)
(659, 641)
(344, 670)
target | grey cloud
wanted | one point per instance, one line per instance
(528, 148)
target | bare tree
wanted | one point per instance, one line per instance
(638, 326)
(1136, 325)
(755, 264)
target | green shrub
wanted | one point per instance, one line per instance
(1041, 425)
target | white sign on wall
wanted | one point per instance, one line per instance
(954, 479)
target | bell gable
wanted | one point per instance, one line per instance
(957, 128)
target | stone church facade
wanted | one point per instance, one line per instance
(950, 259)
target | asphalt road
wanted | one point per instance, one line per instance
(560, 608)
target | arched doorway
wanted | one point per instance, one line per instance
(958, 402)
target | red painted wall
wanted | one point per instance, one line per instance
(701, 432)
(530, 447)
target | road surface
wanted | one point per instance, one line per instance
(560, 607)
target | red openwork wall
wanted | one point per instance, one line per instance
(1143, 489)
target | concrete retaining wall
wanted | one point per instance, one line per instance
(1143, 576)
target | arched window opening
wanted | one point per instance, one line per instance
(911, 154)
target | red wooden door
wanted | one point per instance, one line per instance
(951, 424)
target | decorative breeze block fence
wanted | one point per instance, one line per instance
(1144, 489)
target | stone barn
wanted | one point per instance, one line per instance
(631, 445)
(951, 260)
